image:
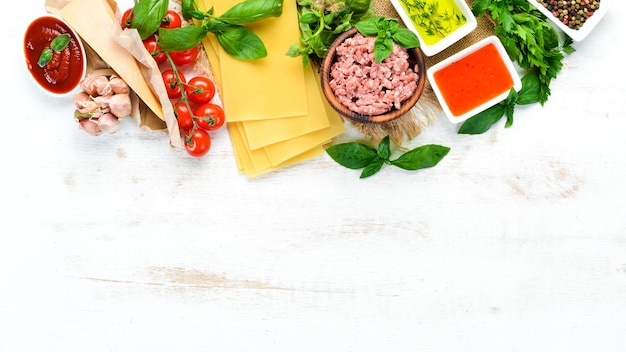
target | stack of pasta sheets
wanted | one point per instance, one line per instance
(276, 113)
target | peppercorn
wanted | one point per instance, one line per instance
(572, 13)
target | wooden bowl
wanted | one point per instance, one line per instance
(416, 59)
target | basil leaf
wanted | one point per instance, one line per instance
(373, 167)
(359, 7)
(45, 57)
(309, 17)
(60, 42)
(406, 38)
(509, 116)
(182, 38)
(530, 93)
(187, 7)
(352, 155)
(421, 157)
(252, 10)
(148, 15)
(241, 43)
(382, 48)
(368, 27)
(482, 121)
(384, 150)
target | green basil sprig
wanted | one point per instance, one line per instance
(354, 155)
(58, 44)
(321, 22)
(529, 94)
(387, 31)
(236, 39)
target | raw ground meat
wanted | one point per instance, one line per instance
(370, 88)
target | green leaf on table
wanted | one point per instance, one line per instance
(482, 121)
(421, 157)
(352, 155)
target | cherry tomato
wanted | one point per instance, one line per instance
(200, 90)
(183, 116)
(184, 57)
(197, 142)
(172, 83)
(127, 18)
(171, 20)
(209, 116)
(154, 49)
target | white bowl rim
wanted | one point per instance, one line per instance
(455, 36)
(517, 83)
(74, 90)
(576, 34)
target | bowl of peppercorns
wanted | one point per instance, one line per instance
(576, 18)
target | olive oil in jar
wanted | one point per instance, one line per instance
(434, 19)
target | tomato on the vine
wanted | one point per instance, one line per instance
(127, 18)
(173, 84)
(171, 20)
(197, 142)
(209, 116)
(200, 90)
(152, 45)
(183, 116)
(184, 57)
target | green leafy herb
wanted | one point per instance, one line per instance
(321, 21)
(354, 155)
(537, 48)
(58, 44)
(387, 31)
(236, 39)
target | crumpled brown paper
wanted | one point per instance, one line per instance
(163, 119)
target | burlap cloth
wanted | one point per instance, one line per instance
(427, 108)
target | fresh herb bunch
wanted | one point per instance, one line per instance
(321, 21)
(530, 41)
(387, 31)
(354, 155)
(427, 15)
(236, 39)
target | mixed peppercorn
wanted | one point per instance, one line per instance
(573, 13)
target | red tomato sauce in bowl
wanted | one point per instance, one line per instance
(474, 79)
(67, 68)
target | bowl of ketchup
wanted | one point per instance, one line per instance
(63, 71)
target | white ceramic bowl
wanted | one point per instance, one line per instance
(468, 89)
(35, 41)
(448, 40)
(587, 27)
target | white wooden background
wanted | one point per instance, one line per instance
(516, 241)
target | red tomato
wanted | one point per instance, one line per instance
(197, 142)
(127, 18)
(209, 116)
(154, 49)
(200, 90)
(184, 57)
(171, 20)
(183, 116)
(173, 84)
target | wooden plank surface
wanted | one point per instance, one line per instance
(516, 241)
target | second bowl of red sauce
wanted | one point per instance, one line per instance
(62, 74)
